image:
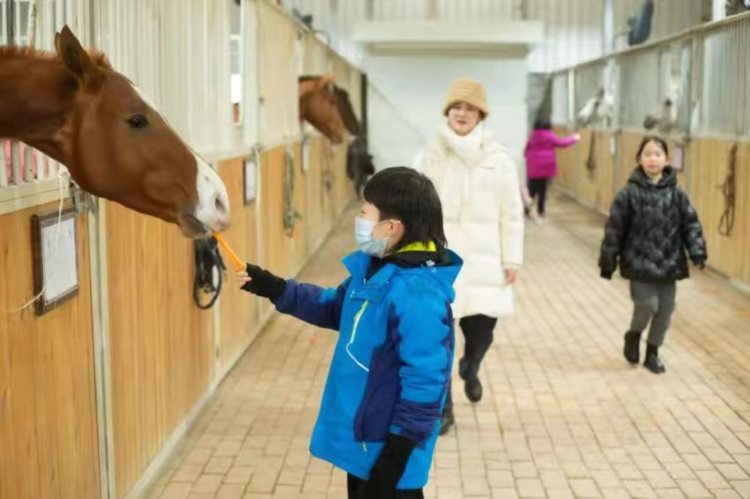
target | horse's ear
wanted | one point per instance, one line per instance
(75, 58)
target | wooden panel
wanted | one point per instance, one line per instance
(277, 245)
(345, 188)
(48, 423)
(324, 154)
(300, 247)
(314, 212)
(161, 343)
(709, 159)
(604, 173)
(239, 309)
(743, 189)
(568, 164)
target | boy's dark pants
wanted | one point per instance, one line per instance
(478, 336)
(356, 488)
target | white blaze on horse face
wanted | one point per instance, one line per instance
(213, 202)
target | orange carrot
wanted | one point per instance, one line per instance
(238, 264)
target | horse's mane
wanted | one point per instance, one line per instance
(21, 52)
(305, 78)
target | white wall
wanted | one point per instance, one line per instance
(415, 86)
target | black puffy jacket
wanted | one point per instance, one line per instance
(651, 230)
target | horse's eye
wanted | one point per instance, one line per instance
(137, 121)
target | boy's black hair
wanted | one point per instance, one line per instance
(409, 196)
(542, 124)
(652, 138)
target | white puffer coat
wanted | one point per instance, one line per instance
(483, 213)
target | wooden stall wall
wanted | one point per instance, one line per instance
(161, 344)
(708, 164)
(240, 314)
(605, 155)
(277, 246)
(301, 249)
(48, 418)
(568, 164)
(317, 197)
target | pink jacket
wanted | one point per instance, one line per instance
(540, 153)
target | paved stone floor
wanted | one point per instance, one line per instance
(563, 415)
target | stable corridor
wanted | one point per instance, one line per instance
(563, 414)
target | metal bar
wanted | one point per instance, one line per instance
(3, 164)
(15, 164)
(10, 22)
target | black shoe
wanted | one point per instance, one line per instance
(631, 350)
(446, 421)
(473, 389)
(472, 385)
(653, 362)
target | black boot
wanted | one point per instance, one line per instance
(652, 362)
(468, 370)
(631, 350)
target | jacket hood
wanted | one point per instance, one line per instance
(639, 177)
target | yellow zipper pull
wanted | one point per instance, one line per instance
(364, 445)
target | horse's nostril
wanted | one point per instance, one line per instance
(219, 205)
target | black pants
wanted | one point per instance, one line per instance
(478, 333)
(538, 190)
(356, 490)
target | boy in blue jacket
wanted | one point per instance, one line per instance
(389, 376)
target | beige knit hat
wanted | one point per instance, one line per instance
(469, 91)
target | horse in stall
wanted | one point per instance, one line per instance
(329, 109)
(318, 106)
(75, 108)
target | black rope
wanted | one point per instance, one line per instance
(728, 188)
(291, 215)
(591, 159)
(207, 281)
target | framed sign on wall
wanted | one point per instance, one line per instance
(250, 176)
(55, 252)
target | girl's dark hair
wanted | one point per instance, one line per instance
(652, 138)
(542, 124)
(409, 196)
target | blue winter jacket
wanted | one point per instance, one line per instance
(392, 363)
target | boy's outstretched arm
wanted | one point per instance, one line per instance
(615, 232)
(308, 302)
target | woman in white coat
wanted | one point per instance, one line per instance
(480, 191)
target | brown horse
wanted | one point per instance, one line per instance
(76, 109)
(346, 111)
(318, 105)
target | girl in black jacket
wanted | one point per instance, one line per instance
(651, 231)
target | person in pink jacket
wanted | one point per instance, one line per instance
(541, 163)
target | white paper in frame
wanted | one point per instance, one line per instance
(55, 258)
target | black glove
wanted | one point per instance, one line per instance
(263, 283)
(390, 465)
(606, 274)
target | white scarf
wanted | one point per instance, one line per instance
(467, 147)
